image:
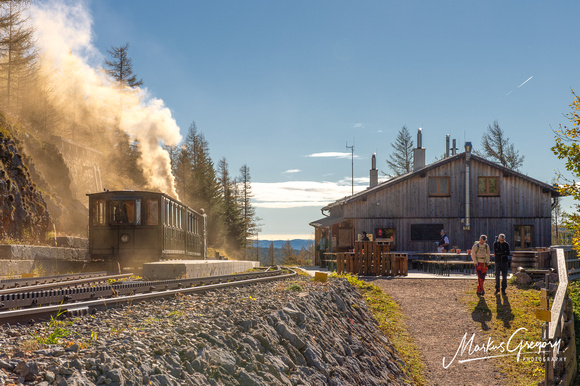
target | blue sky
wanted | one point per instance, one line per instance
(272, 83)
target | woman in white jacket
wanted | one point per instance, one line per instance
(480, 255)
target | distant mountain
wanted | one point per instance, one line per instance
(296, 243)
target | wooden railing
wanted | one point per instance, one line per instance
(371, 259)
(561, 358)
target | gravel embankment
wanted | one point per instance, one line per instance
(289, 332)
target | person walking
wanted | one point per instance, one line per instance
(501, 250)
(322, 246)
(480, 256)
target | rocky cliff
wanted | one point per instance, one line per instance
(23, 211)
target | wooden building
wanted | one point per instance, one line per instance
(464, 194)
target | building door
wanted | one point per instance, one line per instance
(523, 236)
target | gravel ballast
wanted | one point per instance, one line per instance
(289, 332)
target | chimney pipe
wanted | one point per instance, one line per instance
(419, 138)
(454, 150)
(419, 153)
(447, 146)
(467, 223)
(374, 172)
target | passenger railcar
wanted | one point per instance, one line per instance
(137, 226)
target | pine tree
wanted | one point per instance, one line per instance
(497, 148)
(401, 161)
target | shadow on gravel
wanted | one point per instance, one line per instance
(504, 311)
(482, 313)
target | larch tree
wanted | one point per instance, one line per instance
(401, 160)
(567, 147)
(119, 69)
(19, 54)
(497, 148)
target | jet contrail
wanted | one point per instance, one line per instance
(525, 81)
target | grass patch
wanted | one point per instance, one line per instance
(392, 323)
(499, 318)
(54, 332)
(574, 290)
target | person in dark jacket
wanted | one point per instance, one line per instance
(501, 250)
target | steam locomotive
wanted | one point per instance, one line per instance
(131, 227)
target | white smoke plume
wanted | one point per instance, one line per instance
(69, 60)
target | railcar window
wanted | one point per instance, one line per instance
(138, 212)
(152, 212)
(124, 212)
(99, 212)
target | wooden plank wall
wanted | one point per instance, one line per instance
(398, 206)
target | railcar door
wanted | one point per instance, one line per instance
(125, 216)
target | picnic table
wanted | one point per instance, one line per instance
(442, 263)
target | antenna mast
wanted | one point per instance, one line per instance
(352, 163)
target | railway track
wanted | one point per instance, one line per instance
(28, 306)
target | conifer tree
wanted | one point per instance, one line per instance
(497, 148)
(401, 160)
(232, 212)
(271, 254)
(250, 221)
(201, 188)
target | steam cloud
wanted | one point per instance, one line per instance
(70, 64)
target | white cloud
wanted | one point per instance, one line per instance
(358, 126)
(295, 194)
(292, 171)
(332, 154)
(286, 236)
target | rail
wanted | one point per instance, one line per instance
(19, 282)
(41, 304)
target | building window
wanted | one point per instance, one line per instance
(523, 236)
(426, 232)
(488, 186)
(438, 186)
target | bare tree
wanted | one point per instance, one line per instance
(401, 161)
(497, 148)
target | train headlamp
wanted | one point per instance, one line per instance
(125, 238)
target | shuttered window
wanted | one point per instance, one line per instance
(438, 186)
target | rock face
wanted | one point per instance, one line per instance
(291, 332)
(23, 212)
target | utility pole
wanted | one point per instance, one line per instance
(351, 163)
